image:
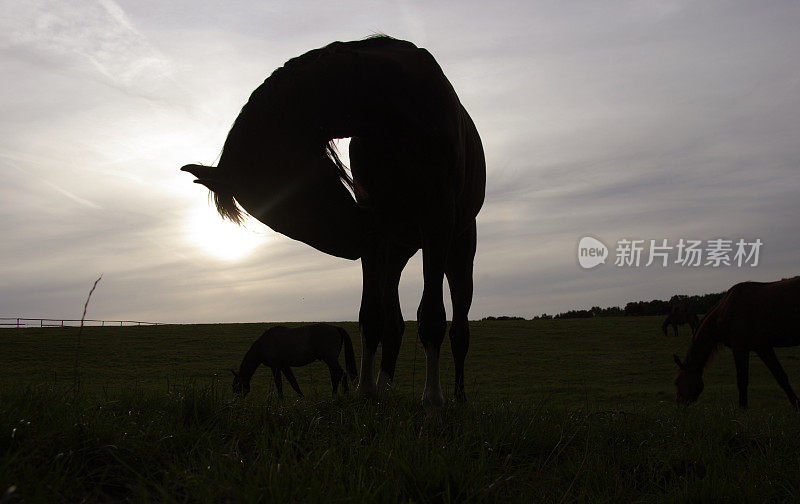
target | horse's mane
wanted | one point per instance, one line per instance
(706, 341)
(227, 206)
(344, 175)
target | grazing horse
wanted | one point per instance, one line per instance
(679, 317)
(418, 182)
(752, 316)
(281, 348)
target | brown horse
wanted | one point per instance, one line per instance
(679, 317)
(281, 348)
(418, 182)
(753, 316)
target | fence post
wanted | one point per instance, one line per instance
(17, 322)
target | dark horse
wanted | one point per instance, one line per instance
(679, 316)
(753, 316)
(418, 182)
(281, 348)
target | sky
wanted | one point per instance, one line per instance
(637, 120)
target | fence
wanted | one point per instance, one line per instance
(21, 322)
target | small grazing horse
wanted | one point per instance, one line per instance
(679, 317)
(418, 182)
(753, 316)
(280, 348)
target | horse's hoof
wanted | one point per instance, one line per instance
(384, 383)
(368, 391)
(430, 401)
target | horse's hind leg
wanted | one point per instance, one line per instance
(741, 358)
(437, 234)
(276, 375)
(292, 381)
(767, 355)
(459, 277)
(337, 375)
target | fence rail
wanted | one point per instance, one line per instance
(22, 322)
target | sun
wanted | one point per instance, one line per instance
(221, 238)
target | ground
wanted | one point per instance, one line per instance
(576, 410)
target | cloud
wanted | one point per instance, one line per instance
(97, 36)
(616, 119)
(73, 197)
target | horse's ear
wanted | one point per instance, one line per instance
(208, 176)
(678, 362)
(200, 171)
(211, 185)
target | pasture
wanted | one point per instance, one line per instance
(574, 410)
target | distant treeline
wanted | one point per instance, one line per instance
(691, 304)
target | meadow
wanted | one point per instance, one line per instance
(571, 410)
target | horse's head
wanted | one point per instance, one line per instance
(688, 384)
(293, 184)
(240, 387)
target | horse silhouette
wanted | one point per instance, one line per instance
(281, 348)
(752, 316)
(418, 182)
(679, 316)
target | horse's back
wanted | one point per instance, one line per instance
(324, 336)
(769, 311)
(351, 88)
(287, 346)
(781, 297)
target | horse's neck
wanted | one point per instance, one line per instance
(282, 105)
(334, 109)
(704, 344)
(250, 362)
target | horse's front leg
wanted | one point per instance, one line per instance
(436, 237)
(369, 317)
(767, 355)
(393, 326)
(336, 374)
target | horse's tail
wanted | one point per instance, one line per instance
(349, 355)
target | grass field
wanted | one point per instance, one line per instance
(576, 410)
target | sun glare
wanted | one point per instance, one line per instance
(221, 238)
